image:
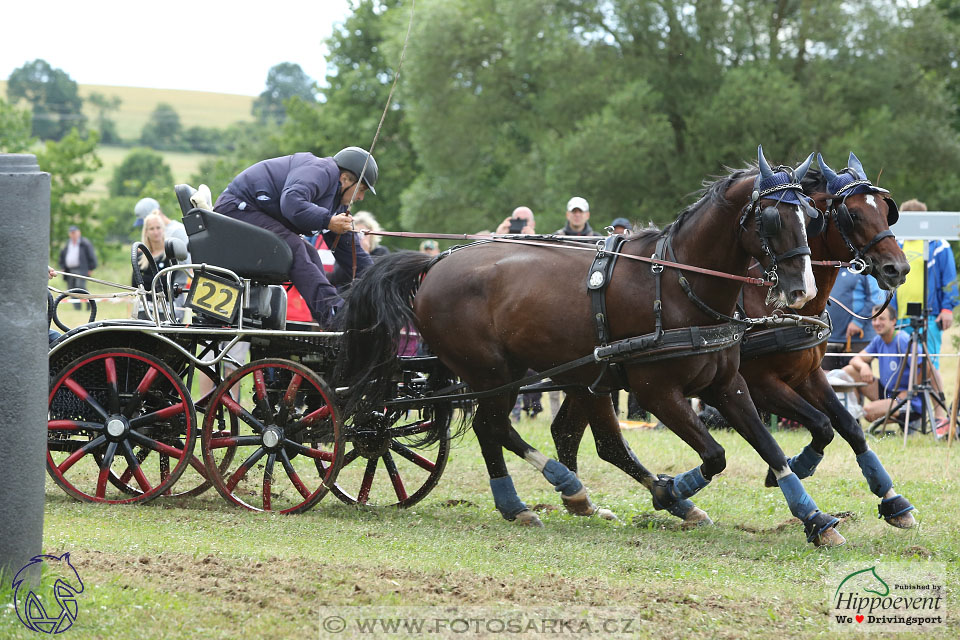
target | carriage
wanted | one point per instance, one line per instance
(135, 405)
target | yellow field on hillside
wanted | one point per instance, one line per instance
(195, 108)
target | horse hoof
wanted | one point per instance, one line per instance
(771, 480)
(829, 538)
(579, 504)
(903, 521)
(696, 517)
(527, 518)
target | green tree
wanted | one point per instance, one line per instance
(105, 124)
(14, 129)
(140, 169)
(53, 98)
(284, 81)
(70, 162)
(163, 129)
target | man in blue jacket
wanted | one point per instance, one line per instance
(304, 194)
(941, 285)
(860, 294)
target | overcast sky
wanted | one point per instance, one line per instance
(225, 47)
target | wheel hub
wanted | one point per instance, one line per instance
(116, 427)
(272, 437)
(372, 446)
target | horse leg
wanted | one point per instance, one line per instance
(893, 508)
(735, 404)
(613, 448)
(781, 399)
(567, 429)
(491, 422)
(669, 492)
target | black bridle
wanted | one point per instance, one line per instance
(768, 225)
(860, 262)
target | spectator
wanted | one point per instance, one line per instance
(520, 221)
(429, 247)
(578, 217)
(79, 258)
(171, 228)
(894, 378)
(941, 286)
(622, 225)
(152, 236)
(302, 194)
(859, 293)
(51, 334)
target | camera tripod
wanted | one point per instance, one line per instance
(910, 420)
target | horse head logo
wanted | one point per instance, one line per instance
(67, 585)
(867, 578)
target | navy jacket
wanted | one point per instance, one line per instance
(302, 191)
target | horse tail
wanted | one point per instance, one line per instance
(378, 307)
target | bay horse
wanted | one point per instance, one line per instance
(491, 311)
(855, 226)
(791, 384)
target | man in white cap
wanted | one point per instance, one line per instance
(171, 228)
(578, 214)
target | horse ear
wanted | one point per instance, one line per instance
(830, 174)
(854, 163)
(765, 170)
(802, 169)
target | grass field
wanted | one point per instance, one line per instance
(200, 568)
(182, 165)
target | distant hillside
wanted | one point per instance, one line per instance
(195, 108)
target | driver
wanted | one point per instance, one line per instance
(304, 194)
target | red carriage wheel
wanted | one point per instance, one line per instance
(118, 414)
(287, 448)
(386, 462)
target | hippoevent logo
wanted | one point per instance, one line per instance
(54, 608)
(888, 597)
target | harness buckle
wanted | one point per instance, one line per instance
(656, 268)
(772, 276)
(857, 266)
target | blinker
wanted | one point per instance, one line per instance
(770, 221)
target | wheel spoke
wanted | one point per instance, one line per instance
(110, 365)
(73, 425)
(413, 457)
(293, 475)
(316, 454)
(234, 408)
(105, 463)
(314, 416)
(156, 416)
(395, 478)
(134, 466)
(289, 397)
(142, 389)
(411, 429)
(244, 468)
(71, 460)
(368, 474)
(159, 447)
(260, 393)
(82, 393)
(268, 479)
(350, 456)
(234, 441)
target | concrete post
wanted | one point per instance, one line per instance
(24, 249)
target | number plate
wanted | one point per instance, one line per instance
(215, 297)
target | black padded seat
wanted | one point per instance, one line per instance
(247, 250)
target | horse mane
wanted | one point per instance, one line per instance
(814, 182)
(711, 193)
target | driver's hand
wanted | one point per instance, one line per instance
(341, 223)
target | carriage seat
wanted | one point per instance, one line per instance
(247, 250)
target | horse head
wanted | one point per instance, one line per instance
(857, 220)
(777, 214)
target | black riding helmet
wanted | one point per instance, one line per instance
(352, 158)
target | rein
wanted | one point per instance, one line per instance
(562, 242)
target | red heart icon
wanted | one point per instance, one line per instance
(859, 618)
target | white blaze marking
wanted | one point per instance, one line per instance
(809, 284)
(871, 201)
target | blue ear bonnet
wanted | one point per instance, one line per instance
(767, 187)
(849, 181)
